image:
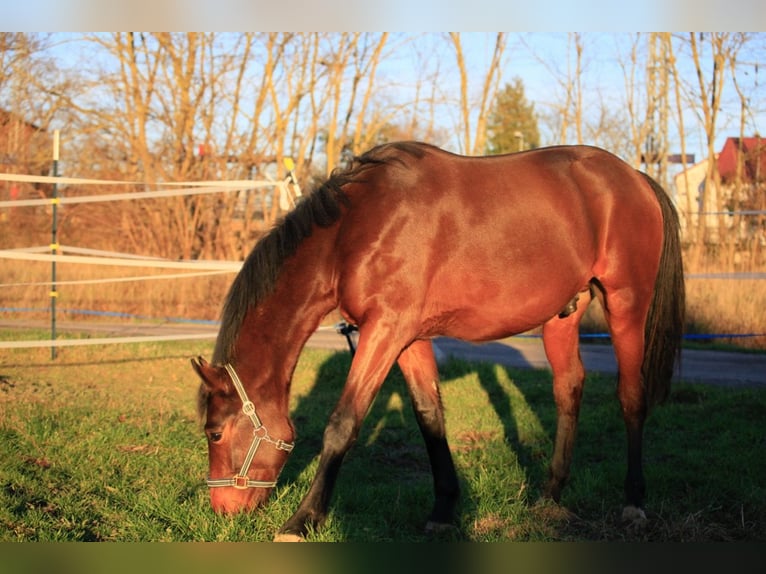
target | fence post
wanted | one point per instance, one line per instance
(54, 240)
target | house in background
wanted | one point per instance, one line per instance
(736, 203)
(24, 148)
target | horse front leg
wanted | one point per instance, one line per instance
(372, 361)
(339, 435)
(418, 365)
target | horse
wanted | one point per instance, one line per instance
(410, 242)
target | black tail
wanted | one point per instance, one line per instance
(665, 322)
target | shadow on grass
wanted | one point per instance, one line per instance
(511, 405)
(386, 477)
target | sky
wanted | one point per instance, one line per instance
(540, 59)
(545, 23)
(400, 15)
(603, 79)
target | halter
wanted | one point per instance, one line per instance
(241, 480)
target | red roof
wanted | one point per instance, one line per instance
(754, 168)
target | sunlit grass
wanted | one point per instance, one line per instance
(104, 444)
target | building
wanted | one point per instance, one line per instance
(24, 149)
(735, 204)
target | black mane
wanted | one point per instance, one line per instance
(322, 207)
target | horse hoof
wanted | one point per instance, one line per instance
(634, 516)
(287, 537)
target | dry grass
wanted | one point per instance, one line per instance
(728, 306)
(188, 298)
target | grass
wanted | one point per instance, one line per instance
(104, 444)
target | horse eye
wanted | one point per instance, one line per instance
(214, 436)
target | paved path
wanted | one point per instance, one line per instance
(720, 367)
(729, 368)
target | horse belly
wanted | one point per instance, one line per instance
(477, 325)
(482, 310)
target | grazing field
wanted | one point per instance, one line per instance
(104, 444)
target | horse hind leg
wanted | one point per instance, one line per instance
(562, 347)
(418, 365)
(625, 312)
(629, 350)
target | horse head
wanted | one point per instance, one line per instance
(245, 459)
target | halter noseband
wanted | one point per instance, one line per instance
(241, 480)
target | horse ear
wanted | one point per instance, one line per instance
(203, 370)
(212, 377)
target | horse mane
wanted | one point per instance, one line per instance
(322, 207)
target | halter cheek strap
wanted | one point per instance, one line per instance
(260, 434)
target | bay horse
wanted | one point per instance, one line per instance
(411, 242)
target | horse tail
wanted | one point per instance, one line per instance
(665, 321)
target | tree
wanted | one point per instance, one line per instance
(30, 100)
(512, 123)
(489, 88)
(722, 47)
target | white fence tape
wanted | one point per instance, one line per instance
(186, 188)
(123, 340)
(88, 251)
(136, 195)
(103, 341)
(88, 181)
(109, 258)
(222, 266)
(127, 279)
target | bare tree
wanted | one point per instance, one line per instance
(747, 195)
(155, 107)
(706, 101)
(365, 68)
(688, 208)
(180, 107)
(566, 103)
(576, 40)
(30, 104)
(475, 143)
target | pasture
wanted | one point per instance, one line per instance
(104, 444)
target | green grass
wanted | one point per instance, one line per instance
(104, 444)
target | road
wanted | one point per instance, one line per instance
(720, 367)
(717, 367)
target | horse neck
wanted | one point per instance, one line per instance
(273, 334)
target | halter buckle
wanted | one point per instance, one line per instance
(240, 482)
(285, 446)
(248, 408)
